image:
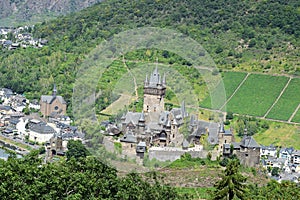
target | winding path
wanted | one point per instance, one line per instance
(294, 113)
(235, 91)
(282, 91)
(133, 77)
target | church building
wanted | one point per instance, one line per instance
(53, 104)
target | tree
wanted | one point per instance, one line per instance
(231, 184)
(229, 115)
(275, 171)
(76, 149)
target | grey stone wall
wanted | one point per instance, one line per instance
(250, 157)
(172, 154)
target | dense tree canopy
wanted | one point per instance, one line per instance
(235, 33)
(76, 150)
(86, 178)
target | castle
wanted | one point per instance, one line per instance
(154, 125)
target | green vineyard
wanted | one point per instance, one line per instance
(259, 95)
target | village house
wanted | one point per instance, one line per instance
(295, 157)
(248, 151)
(34, 104)
(39, 131)
(268, 151)
(57, 145)
(286, 153)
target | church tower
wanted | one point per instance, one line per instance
(154, 92)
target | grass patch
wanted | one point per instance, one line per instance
(118, 147)
(280, 134)
(186, 161)
(231, 81)
(288, 102)
(195, 193)
(296, 117)
(257, 94)
(15, 143)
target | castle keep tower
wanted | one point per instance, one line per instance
(154, 92)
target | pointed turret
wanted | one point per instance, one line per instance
(168, 124)
(54, 90)
(159, 81)
(146, 80)
(123, 117)
(193, 121)
(142, 117)
(164, 80)
(148, 131)
(156, 70)
(245, 132)
(175, 122)
(183, 112)
(222, 129)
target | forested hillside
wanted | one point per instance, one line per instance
(240, 35)
(13, 12)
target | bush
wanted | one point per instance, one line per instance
(229, 115)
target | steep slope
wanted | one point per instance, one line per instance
(240, 35)
(19, 11)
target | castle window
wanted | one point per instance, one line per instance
(225, 141)
(56, 108)
(246, 155)
(154, 109)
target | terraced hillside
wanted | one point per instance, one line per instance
(270, 97)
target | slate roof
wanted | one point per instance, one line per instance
(270, 148)
(199, 131)
(154, 126)
(203, 127)
(213, 132)
(185, 144)
(289, 150)
(296, 153)
(14, 121)
(129, 137)
(226, 146)
(236, 145)
(7, 92)
(6, 108)
(228, 132)
(41, 128)
(49, 99)
(249, 142)
(141, 144)
(8, 131)
(155, 79)
(141, 147)
(163, 118)
(132, 117)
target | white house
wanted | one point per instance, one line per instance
(295, 157)
(21, 127)
(268, 151)
(34, 105)
(39, 131)
(286, 153)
